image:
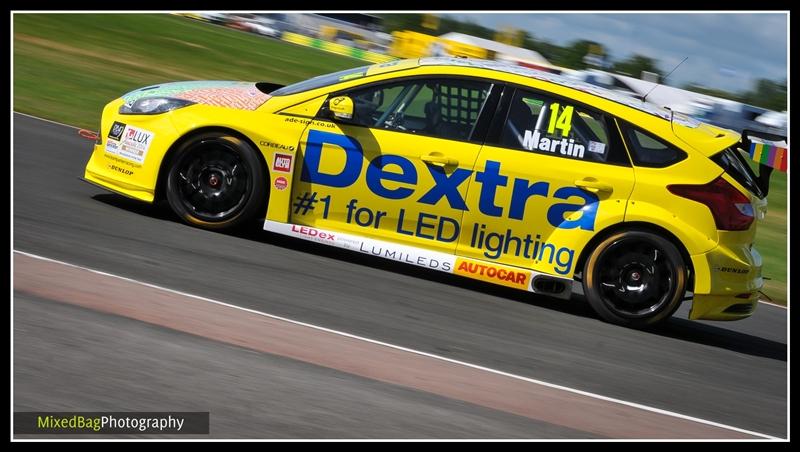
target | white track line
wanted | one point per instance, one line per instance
(417, 352)
(773, 304)
(46, 120)
(75, 127)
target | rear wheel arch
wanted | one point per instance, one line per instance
(637, 226)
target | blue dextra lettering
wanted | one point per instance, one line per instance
(376, 173)
(522, 192)
(444, 185)
(313, 157)
(490, 179)
(557, 212)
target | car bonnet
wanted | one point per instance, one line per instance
(229, 94)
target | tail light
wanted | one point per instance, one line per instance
(731, 209)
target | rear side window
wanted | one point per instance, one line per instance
(546, 125)
(736, 166)
(650, 151)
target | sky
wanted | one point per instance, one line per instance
(727, 51)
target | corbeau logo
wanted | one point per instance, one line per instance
(491, 273)
(445, 186)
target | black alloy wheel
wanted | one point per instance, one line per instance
(216, 182)
(635, 278)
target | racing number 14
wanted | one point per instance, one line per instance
(562, 121)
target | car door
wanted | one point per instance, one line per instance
(551, 174)
(399, 169)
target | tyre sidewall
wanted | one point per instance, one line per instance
(257, 195)
(591, 285)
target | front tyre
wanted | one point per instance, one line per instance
(216, 182)
(635, 278)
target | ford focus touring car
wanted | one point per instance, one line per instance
(482, 169)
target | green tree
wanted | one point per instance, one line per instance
(713, 92)
(571, 56)
(635, 65)
(399, 22)
(767, 94)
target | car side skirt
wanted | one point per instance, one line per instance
(504, 275)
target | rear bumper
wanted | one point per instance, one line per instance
(727, 283)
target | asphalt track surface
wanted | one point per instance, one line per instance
(74, 358)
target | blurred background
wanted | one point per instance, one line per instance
(68, 66)
(736, 97)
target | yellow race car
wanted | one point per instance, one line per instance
(479, 168)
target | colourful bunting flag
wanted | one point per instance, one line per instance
(772, 156)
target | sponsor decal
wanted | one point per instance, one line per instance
(283, 147)
(596, 147)
(116, 130)
(315, 122)
(517, 278)
(311, 232)
(123, 161)
(282, 163)
(396, 253)
(281, 183)
(400, 253)
(497, 274)
(351, 76)
(240, 95)
(496, 244)
(132, 144)
(574, 209)
(124, 171)
(740, 271)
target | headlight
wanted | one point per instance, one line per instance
(153, 105)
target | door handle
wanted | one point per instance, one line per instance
(593, 185)
(438, 159)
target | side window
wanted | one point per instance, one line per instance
(647, 150)
(442, 108)
(545, 125)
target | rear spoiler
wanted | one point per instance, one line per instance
(769, 150)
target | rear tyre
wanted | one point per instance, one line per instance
(635, 278)
(216, 181)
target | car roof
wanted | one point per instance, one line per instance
(508, 68)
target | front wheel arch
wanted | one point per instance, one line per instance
(166, 162)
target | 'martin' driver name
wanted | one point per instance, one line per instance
(533, 141)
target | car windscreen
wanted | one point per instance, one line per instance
(321, 81)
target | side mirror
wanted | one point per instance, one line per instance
(341, 107)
